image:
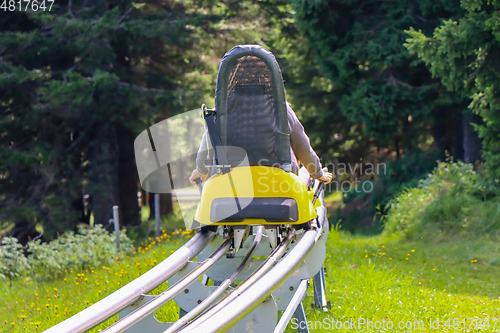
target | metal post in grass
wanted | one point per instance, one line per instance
(116, 221)
(157, 214)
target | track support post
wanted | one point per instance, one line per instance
(320, 290)
(300, 315)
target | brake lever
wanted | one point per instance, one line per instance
(318, 191)
(199, 182)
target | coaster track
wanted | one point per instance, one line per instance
(231, 308)
(133, 291)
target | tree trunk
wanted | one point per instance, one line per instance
(104, 181)
(78, 205)
(397, 148)
(447, 132)
(457, 134)
(439, 131)
(166, 204)
(471, 141)
(128, 178)
(151, 203)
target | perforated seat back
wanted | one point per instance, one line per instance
(250, 106)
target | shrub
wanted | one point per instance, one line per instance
(13, 262)
(87, 248)
(454, 198)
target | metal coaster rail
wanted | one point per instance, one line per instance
(225, 313)
(223, 287)
(168, 294)
(133, 291)
(259, 272)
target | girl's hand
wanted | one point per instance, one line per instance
(327, 176)
(196, 174)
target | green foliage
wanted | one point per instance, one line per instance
(13, 262)
(87, 248)
(90, 247)
(464, 55)
(147, 230)
(358, 46)
(309, 91)
(453, 199)
(77, 84)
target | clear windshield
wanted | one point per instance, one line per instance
(166, 156)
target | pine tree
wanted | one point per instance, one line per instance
(463, 53)
(77, 84)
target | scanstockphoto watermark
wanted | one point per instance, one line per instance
(330, 323)
(486, 323)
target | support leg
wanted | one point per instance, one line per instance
(301, 319)
(320, 290)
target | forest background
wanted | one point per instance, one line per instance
(405, 83)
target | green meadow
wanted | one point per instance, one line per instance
(434, 267)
